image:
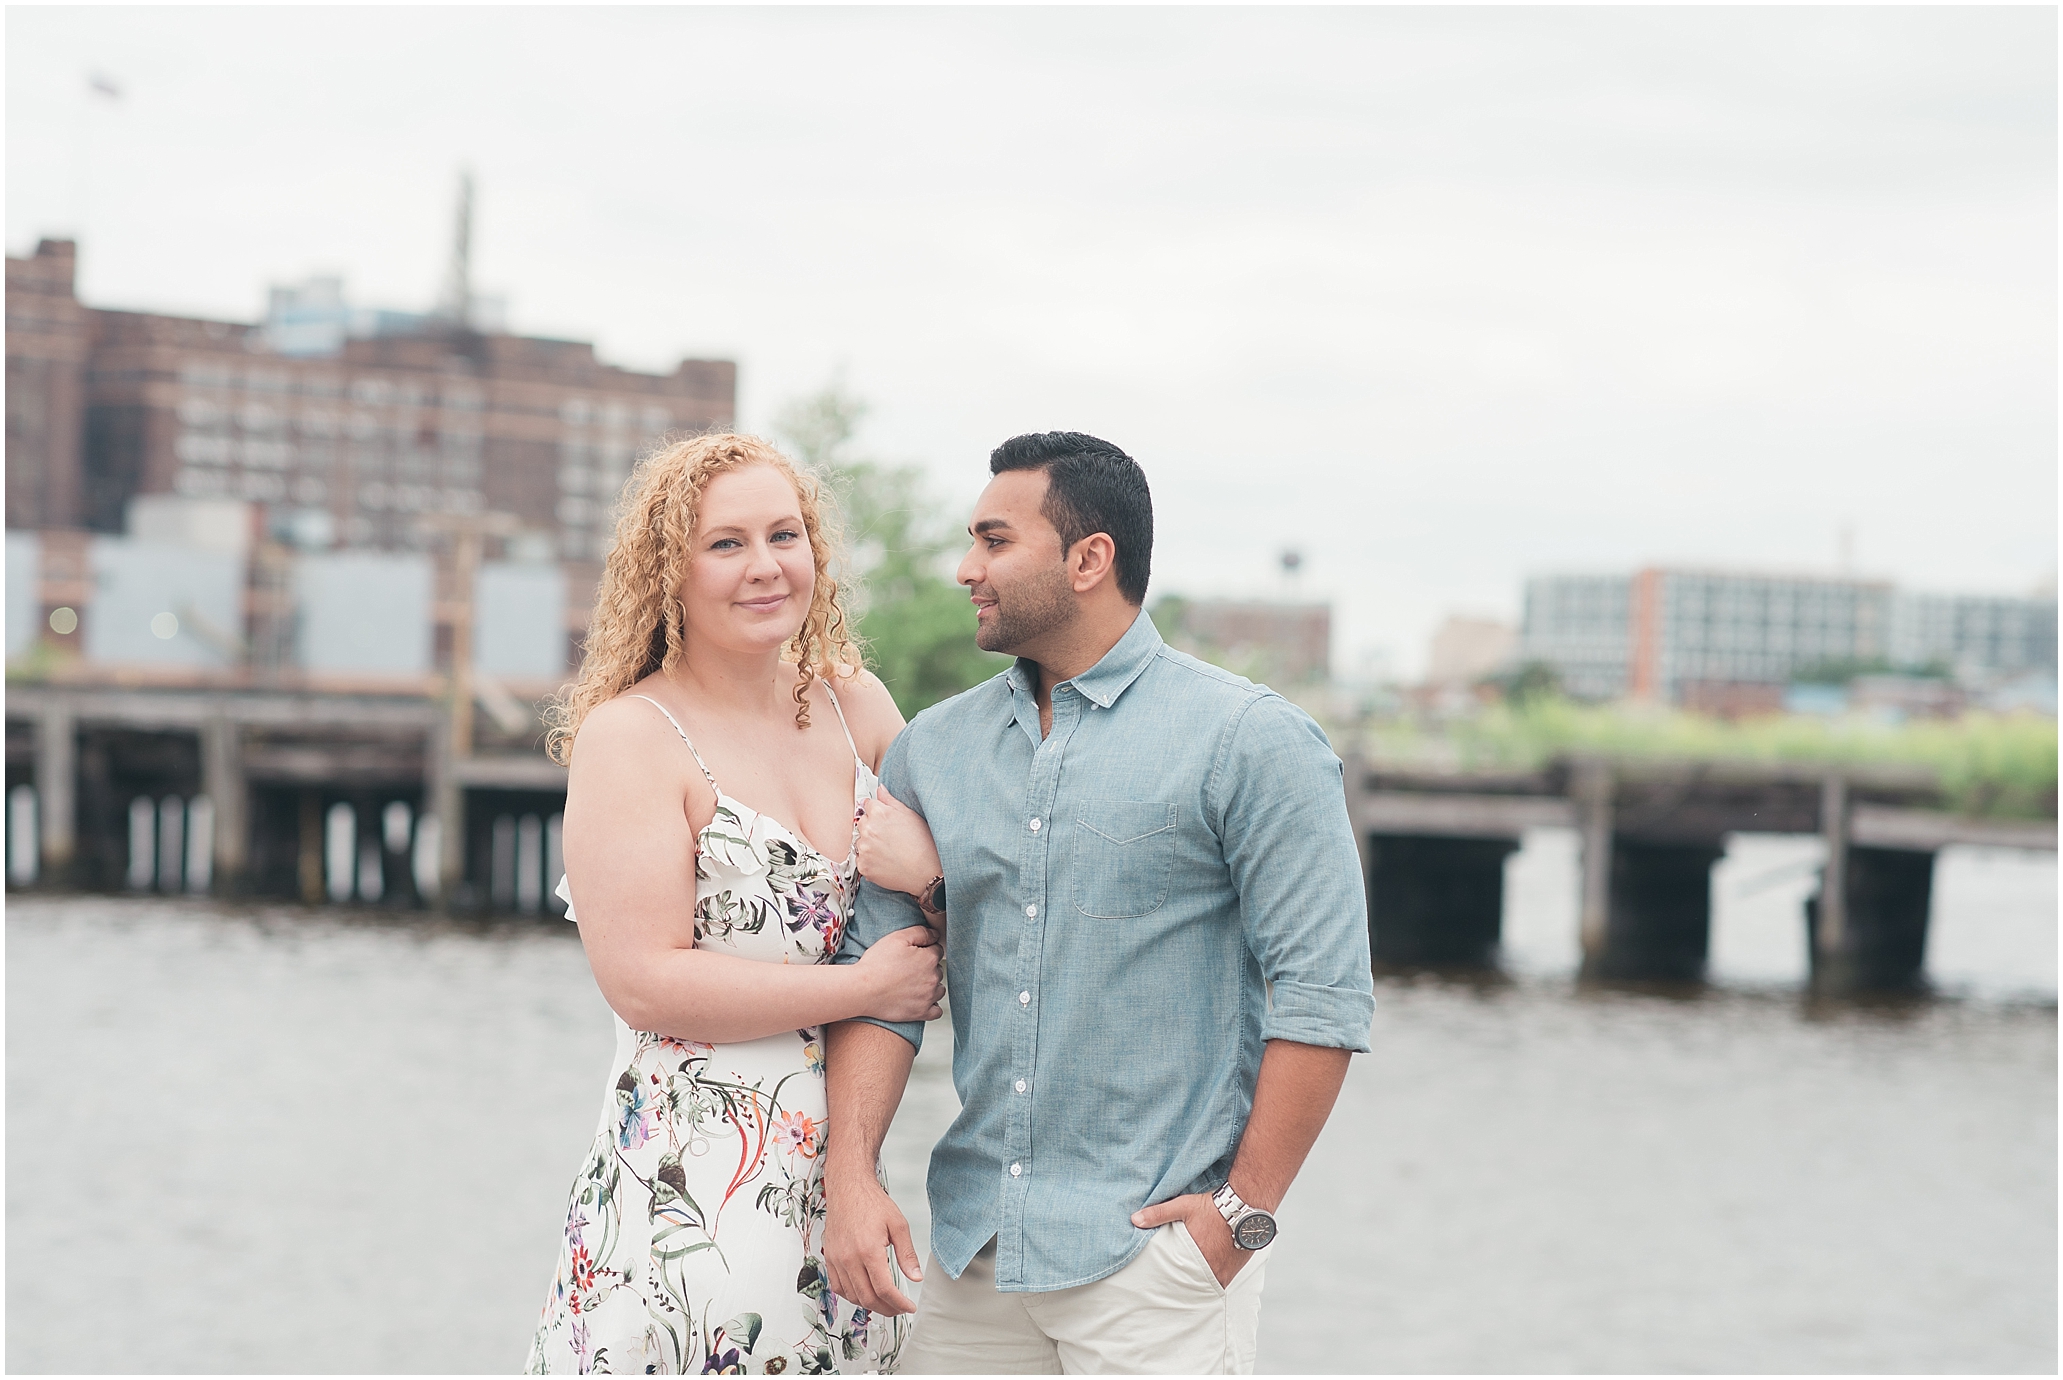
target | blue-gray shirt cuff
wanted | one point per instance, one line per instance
(913, 1031)
(876, 914)
(1330, 1017)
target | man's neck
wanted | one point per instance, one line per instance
(1087, 641)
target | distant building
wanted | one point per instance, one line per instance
(1694, 633)
(49, 336)
(1730, 642)
(1277, 644)
(1464, 650)
(1578, 625)
(372, 430)
(1977, 637)
(340, 429)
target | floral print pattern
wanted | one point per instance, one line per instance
(693, 1236)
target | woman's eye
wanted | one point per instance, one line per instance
(723, 543)
(785, 535)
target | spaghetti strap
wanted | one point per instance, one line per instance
(711, 776)
(841, 721)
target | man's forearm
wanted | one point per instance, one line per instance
(1292, 1098)
(866, 1069)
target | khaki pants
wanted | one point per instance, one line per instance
(1164, 1313)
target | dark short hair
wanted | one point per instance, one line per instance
(1091, 486)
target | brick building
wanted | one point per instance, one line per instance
(339, 451)
(1281, 644)
(48, 341)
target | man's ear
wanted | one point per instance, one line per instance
(1091, 561)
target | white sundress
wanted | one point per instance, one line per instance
(694, 1230)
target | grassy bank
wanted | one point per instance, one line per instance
(1993, 765)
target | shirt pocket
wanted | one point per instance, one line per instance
(1124, 856)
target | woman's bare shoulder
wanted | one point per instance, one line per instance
(871, 711)
(626, 724)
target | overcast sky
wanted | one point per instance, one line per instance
(1443, 297)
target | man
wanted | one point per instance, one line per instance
(1157, 950)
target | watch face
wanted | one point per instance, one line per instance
(1254, 1231)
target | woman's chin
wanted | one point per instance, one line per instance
(747, 634)
(769, 637)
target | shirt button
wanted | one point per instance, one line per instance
(1016, 1170)
(1020, 1085)
(1035, 826)
(1032, 911)
(1024, 999)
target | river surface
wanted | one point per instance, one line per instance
(277, 1139)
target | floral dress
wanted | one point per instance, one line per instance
(694, 1230)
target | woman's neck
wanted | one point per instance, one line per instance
(734, 684)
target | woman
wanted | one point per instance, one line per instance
(711, 842)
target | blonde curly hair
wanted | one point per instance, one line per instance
(638, 626)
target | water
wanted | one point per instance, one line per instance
(290, 1140)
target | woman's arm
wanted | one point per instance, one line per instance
(896, 852)
(630, 855)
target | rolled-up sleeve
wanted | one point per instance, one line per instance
(1281, 813)
(877, 912)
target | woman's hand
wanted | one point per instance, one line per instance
(901, 973)
(896, 851)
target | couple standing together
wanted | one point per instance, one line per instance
(1134, 869)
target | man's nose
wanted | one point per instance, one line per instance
(969, 572)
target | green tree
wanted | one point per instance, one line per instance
(916, 623)
(1533, 682)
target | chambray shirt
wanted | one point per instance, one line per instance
(1134, 906)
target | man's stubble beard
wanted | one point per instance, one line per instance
(1028, 612)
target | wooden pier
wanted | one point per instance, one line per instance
(238, 789)
(272, 765)
(1434, 845)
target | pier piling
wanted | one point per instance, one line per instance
(1880, 946)
(1591, 791)
(1659, 926)
(1436, 902)
(223, 782)
(56, 775)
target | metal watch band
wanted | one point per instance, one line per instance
(1252, 1228)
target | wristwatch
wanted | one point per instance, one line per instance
(933, 897)
(1251, 1227)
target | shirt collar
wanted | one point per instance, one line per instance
(1102, 683)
